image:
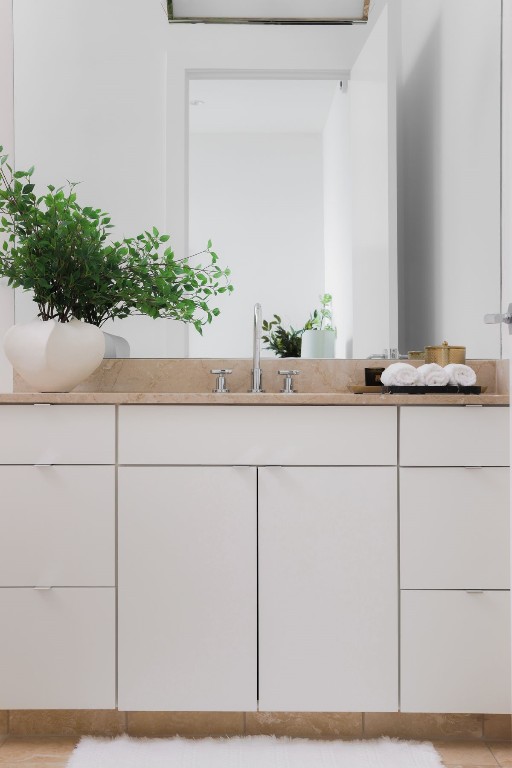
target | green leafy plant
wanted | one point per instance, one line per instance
(321, 319)
(63, 253)
(282, 342)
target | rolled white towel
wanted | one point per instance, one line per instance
(400, 375)
(433, 375)
(460, 374)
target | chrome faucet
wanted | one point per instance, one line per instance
(388, 354)
(256, 370)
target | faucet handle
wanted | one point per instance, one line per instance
(220, 383)
(288, 381)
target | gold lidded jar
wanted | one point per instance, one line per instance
(444, 354)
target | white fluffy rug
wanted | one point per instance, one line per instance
(251, 752)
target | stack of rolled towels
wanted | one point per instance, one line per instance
(428, 375)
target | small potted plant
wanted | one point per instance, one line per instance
(282, 342)
(319, 334)
(80, 278)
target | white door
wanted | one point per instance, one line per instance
(328, 589)
(506, 253)
(187, 588)
(372, 92)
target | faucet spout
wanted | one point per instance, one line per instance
(256, 369)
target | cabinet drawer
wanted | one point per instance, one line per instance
(326, 435)
(454, 528)
(57, 526)
(455, 652)
(57, 649)
(57, 434)
(454, 436)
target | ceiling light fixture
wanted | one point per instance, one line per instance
(268, 11)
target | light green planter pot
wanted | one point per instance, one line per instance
(318, 344)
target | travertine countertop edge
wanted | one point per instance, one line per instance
(244, 398)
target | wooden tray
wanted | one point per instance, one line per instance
(446, 390)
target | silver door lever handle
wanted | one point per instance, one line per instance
(500, 318)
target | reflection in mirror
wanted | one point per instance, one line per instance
(265, 184)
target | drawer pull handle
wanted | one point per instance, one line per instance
(43, 465)
(42, 589)
(474, 591)
(473, 466)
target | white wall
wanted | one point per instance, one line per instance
(338, 220)
(7, 141)
(450, 145)
(90, 107)
(259, 197)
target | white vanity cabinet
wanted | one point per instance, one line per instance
(327, 558)
(263, 554)
(455, 560)
(57, 557)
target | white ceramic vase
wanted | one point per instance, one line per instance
(53, 356)
(318, 344)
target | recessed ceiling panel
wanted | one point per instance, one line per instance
(270, 10)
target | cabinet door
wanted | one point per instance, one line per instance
(455, 651)
(328, 599)
(187, 588)
(57, 649)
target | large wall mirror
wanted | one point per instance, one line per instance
(295, 178)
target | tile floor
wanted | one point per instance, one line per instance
(53, 753)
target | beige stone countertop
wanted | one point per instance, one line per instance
(245, 398)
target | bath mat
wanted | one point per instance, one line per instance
(251, 752)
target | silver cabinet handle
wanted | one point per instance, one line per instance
(43, 465)
(474, 591)
(42, 589)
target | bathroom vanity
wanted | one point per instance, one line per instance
(327, 552)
